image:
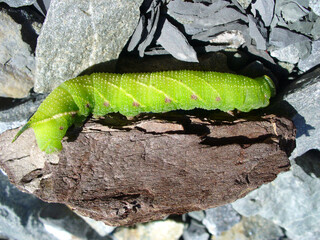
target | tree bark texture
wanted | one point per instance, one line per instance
(151, 168)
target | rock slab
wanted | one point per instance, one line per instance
(17, 63)
(299, 213)
(304, 96)
(79, 34)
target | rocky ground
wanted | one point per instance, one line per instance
(44, 43)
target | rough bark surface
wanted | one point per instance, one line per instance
(148, 169)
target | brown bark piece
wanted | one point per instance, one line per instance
(152, 168)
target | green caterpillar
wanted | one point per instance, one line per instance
(134, 93)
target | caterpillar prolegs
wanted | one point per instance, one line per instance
(134, 93)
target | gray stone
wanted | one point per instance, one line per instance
(220, 219)
(315, 6)
(78, 34)
(221, 24)
(195, 231)
(101, 228)
(291, 201)
(61, 222)
(290, 12)
(316, 29)
(198, 17)
(293, 11)
(18, 112)
(292, 53)
(147, 27)
(255, 33)
(244, 3)
(18, 3)
(23, 216)
(185, 12)
(304, 27)
(312, 60)
(17, 63)
(281, 37)
(265, 9)
(263, 54)
(197, 215)
(304, 96)
(298, 214)
(176, 43)
(4, 126)
(210, 34)
(257, 228)
(18, 214)
(43, 7)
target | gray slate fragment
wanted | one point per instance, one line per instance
(209, 34)
(315, 6)
(18, 214)
(304, 27)
(265, 9)
(146, 29)
(18, 3)
(255, 34)
(258, 228)
(176, 43)
(100, 227)
(281, 37)
(4, 126)
(292, 53)
(23, 216)
(244, 3)
(304, 96)
(299, 213)
(18, 115)
(43, 7)
(197, 215)
(78, 34)
(197, 17)
(60, 221)
(316, 30)
(291, 201)
(137, 35)
(195, 231)
(191, 9)
(224, 16)
(292, 11)
(312, 60)
(17, 63)
(220, 219)
(198, 14)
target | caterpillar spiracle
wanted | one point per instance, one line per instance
(134, 93)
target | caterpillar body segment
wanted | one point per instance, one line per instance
(134, 93)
